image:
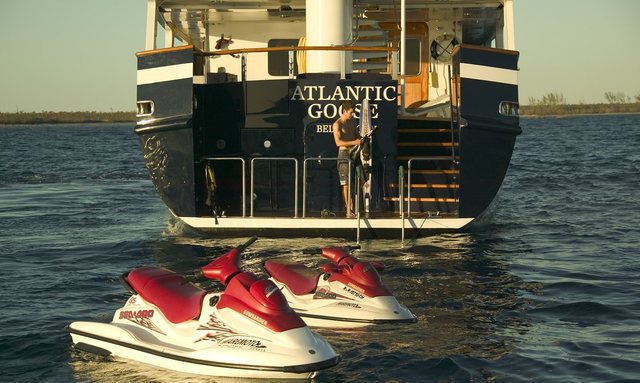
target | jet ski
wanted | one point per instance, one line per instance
(347, 293)
(248, 330)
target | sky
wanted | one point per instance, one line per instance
(79, 55)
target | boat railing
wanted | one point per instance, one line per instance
(243, 53)
(295, 180)
(244, 182)
(304, 178)
(401, 200)
(418, 159)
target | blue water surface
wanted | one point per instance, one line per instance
(546, 291)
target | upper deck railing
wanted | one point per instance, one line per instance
(244, 52)
(343, 49)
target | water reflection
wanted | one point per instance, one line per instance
(101, 369)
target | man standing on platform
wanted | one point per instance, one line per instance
(346, 136)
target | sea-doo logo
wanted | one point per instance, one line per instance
(129, 314)
(353, 292)
(252, 343)
(324, 293)
(255, 317)
(352, 305)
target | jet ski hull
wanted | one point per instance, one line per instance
(206, 346)
(349, 309)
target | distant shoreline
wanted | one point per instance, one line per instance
(82, 117)
(35, 118)
(578, 109)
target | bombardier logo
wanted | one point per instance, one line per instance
(255, 317)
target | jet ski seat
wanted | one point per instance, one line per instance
(299, 278)
(178, 301)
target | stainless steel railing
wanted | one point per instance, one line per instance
(304, 176)
(295, 196)
(244, 182)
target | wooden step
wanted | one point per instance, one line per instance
(370, 42)
(427, 144)
(435, 158)
(370, 55)
(434, 171)
(422, 199)
(369, 65)
(429, 186)
(418, 130)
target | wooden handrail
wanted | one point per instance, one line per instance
(268, 49)
(165, 50)
(298, 48)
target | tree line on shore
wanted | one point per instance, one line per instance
(556, 104)
(47, 117)
(547, 105)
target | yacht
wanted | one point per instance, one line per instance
(236, 100)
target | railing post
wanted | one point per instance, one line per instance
(357, 204)
(295, 188)
(349, 202)
(304, 188)
(452, 125)
(409, 187)
(401, 197)
(244, 188)
(251, 188)
(243, 66)
(291, 63)
(394, 64)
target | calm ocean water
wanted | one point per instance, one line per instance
(547, 291)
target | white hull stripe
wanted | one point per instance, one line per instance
(487, 73)
(165, 73)
(326, 224)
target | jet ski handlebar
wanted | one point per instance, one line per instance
(247, 244)
(223, 268)
(341, 257)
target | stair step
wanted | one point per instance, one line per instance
(362, 22)
(422, 199)
(427, 144)
(424, 130)
(428, 186)
(434, 171)
(369, 65)
(435, 158)
(370, 43)
(369, 55)
(369, 33)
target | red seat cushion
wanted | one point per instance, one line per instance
(177, 300)
(299, 278)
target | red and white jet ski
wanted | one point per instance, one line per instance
(248, 330)
(348, 293)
